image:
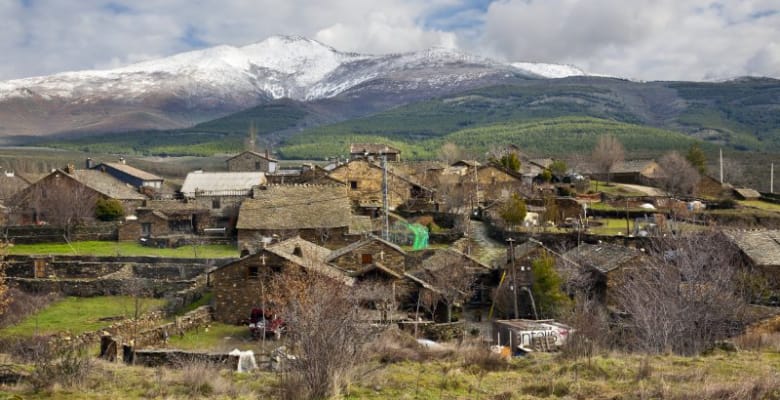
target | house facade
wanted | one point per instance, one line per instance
(242, 285)
(364, 181)
(250, 161)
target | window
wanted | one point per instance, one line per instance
(215, 203)
(258, 166)
(297, 251)
(353, 184)
(146, 229)
(252, 272)
(366, 259)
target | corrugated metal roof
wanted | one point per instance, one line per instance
(221, 183)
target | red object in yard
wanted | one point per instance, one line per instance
(265, 322)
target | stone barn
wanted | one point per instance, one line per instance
(242, 285)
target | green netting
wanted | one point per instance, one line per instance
(420, 236)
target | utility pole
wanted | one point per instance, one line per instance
(721, 166)
(772, 178)
(386, 231)
(513, 285)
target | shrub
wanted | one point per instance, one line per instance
(108, 209)
(68, 367)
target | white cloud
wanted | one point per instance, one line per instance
(644, 39)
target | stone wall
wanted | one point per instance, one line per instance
(85, 267)
(100, 287)
(27, 234)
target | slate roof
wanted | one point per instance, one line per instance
(762, 247)
(105, 184)
(356, 245)
(296, 207)
(312, 258)
(747, 193)
(221, 183)
(132, 171)
(372, 148)
(603, 257)
(254, 153)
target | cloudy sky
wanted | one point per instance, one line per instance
(639, 39)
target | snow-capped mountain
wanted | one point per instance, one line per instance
(198, 85)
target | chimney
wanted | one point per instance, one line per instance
(70, 169)
(122, 160)
(90, 164)
(266, 154)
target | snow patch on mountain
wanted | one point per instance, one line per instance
(280, 66)
(549, 70)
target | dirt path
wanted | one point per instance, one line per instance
(484, 248)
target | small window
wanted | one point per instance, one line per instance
(353, 184)
(215, 203)
(258, 166)
(297, 251)
(253, 272)
(366, 258)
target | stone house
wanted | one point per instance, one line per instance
(639, 172)
(66, 187)
(364, 183)
(318, 213)
(370, 256)
(249, 161)
(242, 285)
(157, 218)
(373, 152)
(137, 178)
(608, 265)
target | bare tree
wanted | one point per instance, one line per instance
(678, 176)
(385, 297)
(688, 297)
(63, 203)
(451, 280)
(4, 300)
(607, 154)
(323, 326)
(449, 153)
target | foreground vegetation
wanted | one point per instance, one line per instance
(104, 248)
(459, 374)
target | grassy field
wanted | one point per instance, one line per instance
(614, 189)
(761, 205)
(79, 314)
(100, 248)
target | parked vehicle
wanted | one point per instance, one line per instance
(265, 323)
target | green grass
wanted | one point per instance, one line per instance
(101, 248)
(611, 226)
(761, 205)
(77, 315)
(217, 336)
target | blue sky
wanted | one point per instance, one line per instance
(638, 39)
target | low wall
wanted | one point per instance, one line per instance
(100, 287)
(179, 358)
(28, 234)
(78, 267)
